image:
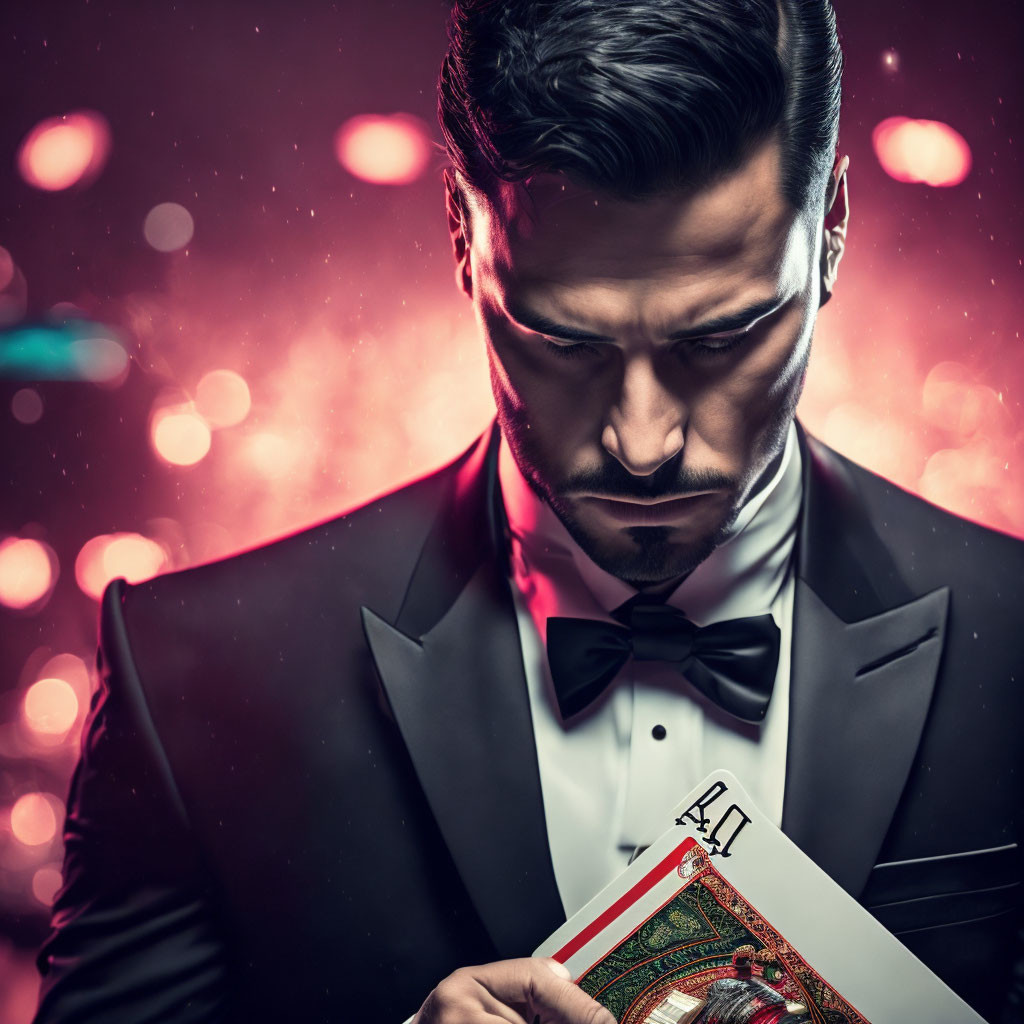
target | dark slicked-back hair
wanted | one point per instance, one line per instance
(635, 97)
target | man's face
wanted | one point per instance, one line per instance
(646, 357)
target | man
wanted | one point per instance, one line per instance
(367, 768)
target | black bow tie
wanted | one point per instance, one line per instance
(733, 663)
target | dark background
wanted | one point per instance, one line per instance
(334, 299)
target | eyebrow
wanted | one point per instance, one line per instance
(739, 320)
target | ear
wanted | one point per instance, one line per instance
(458, 228)
(833, 242)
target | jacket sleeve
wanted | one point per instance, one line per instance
(134, 936)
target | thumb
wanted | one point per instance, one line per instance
(558, 967)
(559, 1001)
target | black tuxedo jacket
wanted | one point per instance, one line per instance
(308, 787)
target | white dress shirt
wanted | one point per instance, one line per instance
(608, 784)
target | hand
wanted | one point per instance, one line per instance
(527, 991)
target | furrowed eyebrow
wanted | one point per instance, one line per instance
(737, 321)
(542, 325)
(731, 321)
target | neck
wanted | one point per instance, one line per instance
(660, 589)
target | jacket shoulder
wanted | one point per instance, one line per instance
(932, 546)
(369, 550)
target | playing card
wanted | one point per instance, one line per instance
(725, 920)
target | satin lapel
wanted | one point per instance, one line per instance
(452, 670)
(865, 656)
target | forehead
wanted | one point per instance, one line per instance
(550, 233)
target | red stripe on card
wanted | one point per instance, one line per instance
(648, 882)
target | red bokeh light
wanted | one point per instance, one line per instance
(64, 151)
(921, 151)
(391, 150)
(28, 571)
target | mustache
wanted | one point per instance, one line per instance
(671, 480)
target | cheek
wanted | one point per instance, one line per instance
(554, 399)
(735, 409)
(507, 391)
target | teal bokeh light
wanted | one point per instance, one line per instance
(74, 350)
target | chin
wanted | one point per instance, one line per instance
(645, 554)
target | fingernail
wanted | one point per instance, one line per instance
(560, 969)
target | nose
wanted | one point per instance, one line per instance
(644, 429)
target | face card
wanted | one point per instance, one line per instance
(724, 919)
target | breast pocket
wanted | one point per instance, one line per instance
(961, 888)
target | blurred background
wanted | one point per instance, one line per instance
(227, 310)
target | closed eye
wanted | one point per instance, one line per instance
(717, 343)
(568, 349)
(712, 345)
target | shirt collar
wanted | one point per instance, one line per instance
(742, 576)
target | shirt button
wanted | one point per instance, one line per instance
(659, 732)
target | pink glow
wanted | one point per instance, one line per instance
(71, 669)
(168, 227)
(222, 398)
(108, 556)
(921, 151)
(179, 436)
(6, 268)
(50, 706)
(391, 150)
(34, 819)
(27, 406)
(879, 390)
(271, 454)
(953, 400)
(45, 883)
(53, 704)
(28, 570)
(64, 151)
